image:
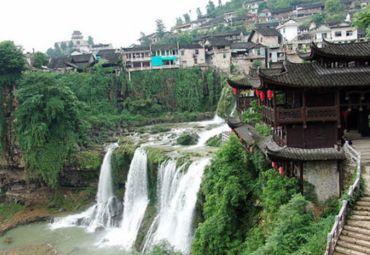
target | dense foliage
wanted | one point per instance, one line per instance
(47, 124)
(362, 20)
(228, 208)
(12, 63)
(250, 209)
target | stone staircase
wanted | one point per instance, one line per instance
(355, 236)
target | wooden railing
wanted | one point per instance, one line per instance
(341, 217)
(300, 114)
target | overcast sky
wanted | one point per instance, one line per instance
(37, 24)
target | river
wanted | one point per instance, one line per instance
(94, 232)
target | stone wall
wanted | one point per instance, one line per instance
(324, 176)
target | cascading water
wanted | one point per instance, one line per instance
(135, 203)
(106, 208)
(177, 192)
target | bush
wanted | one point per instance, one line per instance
(228, 209)
(88, 160)
(187, 139)
(276, 191)
(291, 230)
(215, 141)
(263, 129)
(7, 210)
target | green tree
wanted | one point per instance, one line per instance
(90, 40)
(179, 21)
(318, 19)
(161, 28)
(47, 124)
(144, 40)
(39, 60)
(12, 64)
(333, 6)
(211, 8)
(228, 202)
(199, 13)
(362, 20)
(187, 18)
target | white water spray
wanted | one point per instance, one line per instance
(178, 196)
(106, 207)
(135, 203)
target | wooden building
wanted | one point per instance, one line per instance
(312, 107)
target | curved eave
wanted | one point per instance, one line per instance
(239, 84)
(317, 53)
(275, 152)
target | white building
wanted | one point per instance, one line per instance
(343, 32)
(289, 30)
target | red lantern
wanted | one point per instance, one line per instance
(262, 95)
(270, 94)
(235, 91)
(274, 165)
(281, 171)
(257, 92)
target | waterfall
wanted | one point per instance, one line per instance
(135, 203)
(106, 207)
(177, 197)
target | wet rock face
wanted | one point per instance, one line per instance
(75, 178)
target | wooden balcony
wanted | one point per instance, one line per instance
(300, 115)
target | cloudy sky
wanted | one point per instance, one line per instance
(37, 24)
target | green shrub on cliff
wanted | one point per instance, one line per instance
(48, 124)
(187, 139)
(88, 160)
(228, 202)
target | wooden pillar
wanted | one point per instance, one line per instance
(301, 177)
(275, 109)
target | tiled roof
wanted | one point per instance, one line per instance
(137, 48)
(276, 151)
(59, 62)
(81, 58)
(110, 55)
(282, 10)
(191, 46)
(349, 51)
(265, 31)
(218, 41)
(314, 75)
(244, 45)
(164, 47)
(311, 5)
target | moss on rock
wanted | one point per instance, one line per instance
(121, 160)
(187, 139)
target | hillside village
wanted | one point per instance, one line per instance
(232, 42)
(282, 168)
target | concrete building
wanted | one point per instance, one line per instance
(245, 55)
(137, 58)
(289, 30)
(343, 32)
(192, 55)
(218, 53)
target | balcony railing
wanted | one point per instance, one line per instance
(300, 115)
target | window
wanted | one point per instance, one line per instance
(196, 52)
(338, 34)
(258, 52)
(224, 55)
(182, 53)
(324, 35)
(349, 33)
(195, 61)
